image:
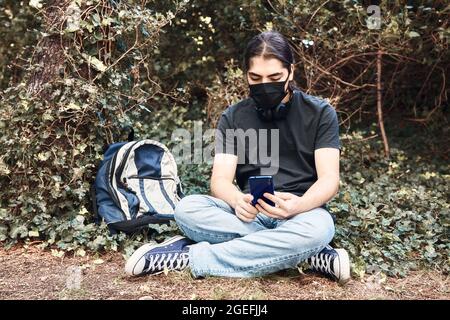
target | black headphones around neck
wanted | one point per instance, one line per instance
(277, 113)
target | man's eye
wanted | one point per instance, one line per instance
(255, 79)
(278, 79)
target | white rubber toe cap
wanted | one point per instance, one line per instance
(135, 264)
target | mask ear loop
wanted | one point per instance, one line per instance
(287, 79)
(279, 112)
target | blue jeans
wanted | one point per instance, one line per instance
(230, 247)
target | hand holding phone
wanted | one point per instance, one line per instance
(258, 186)
(243, 207)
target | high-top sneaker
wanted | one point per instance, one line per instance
(172, 254)
(332, 262)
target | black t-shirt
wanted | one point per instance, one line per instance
(311, 124)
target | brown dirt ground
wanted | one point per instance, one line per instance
(30, 273)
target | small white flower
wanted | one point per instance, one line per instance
(36, 4)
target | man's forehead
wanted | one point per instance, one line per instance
(263, 66)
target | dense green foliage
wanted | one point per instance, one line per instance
(162, 65)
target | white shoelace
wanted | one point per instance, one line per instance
(322, 263)
(171, 261)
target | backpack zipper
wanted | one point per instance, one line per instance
(152, 178)
(122, 166)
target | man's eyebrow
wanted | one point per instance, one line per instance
(270, 75)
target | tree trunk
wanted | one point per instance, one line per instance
(380, 106)
(49, 54)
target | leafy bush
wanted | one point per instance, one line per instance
(392, 215)
(57, 120)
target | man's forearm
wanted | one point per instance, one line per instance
(323, 190)
(225, 190)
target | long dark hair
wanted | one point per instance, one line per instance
(270, 44)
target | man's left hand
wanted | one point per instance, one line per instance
(286, 206)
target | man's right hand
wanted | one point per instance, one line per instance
(243, 207)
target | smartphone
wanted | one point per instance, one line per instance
(258, 186)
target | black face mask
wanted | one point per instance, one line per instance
(268, 97)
